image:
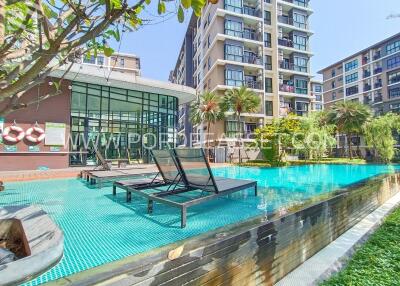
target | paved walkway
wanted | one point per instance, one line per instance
(72, 172)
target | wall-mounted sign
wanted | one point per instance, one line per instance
(1, 129)
(55, 149)
(10, 148)
(55, 134)
(33, 149)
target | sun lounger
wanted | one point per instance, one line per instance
(196, 174)
(168, 175)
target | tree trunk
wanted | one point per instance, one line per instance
(239, 138)
(2, 21)
(207, 141)
(349, 145)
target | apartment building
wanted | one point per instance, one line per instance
(371, 76)
(263, 45)
(317, 87)
(183, 75)
(121, 62)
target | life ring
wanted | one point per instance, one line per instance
(36, 130)
(7, 136)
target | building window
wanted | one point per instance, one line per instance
(233, 77)
(100, 60)
(268, 85)
(318, 97)
(351, 90)
(89, 60)
(267, 17)
(301, 86)
(300, 42)
(267, 40)
(318, 88)
(269, 108)
(233, 53)
(318, 106)
(333, 84)
(333, 72)
(268, 62)
(233, 28)
(300, 20)
(351, 65)
(351, 77)
(233, 5)
(208, 41)
(209, 63)
(122, 62)
(393, 62)
(393, 47)
(334, 95)
(394, 92)
(300, 64)
(394, 77)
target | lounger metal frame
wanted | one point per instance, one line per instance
(162, 196)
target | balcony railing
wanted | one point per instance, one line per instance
(377, 56)
(246, 34)
(286, 88)
(298, 2)
(251, 11)
(253, 84)
(378, 98)
(367, 74)
(378, 70)
(246, 10)
(285, 43)
(252, 59)
(367, 87)
(290, 21)
(292, 67)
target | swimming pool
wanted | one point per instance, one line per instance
(100, 228)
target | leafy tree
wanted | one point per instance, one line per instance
(315, 137)
(349, 118)
(206, 110)
(39, 36)
(379, 136)
(276, 139)
(240, 100)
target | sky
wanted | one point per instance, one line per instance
(341, 28)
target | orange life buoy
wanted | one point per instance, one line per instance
(7, 136)
(36, 130)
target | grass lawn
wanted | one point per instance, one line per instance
(377, 262)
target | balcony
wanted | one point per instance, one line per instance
(367, 87)
(290, 21)
(286, 88)
(285, 43)
(367, 100)
(378, 84)
(246, 34)
(377, 56)
(300, 3)
(252, 59)
(251, 11)
(367, 74)
(378, 70)
(365, 60)
(245, 10)
(378, 98)
(292, 67)
(253, 84)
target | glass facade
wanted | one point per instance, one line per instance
(120, 121)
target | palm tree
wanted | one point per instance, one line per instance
(240, 100)
(206, 110)
(349, 118)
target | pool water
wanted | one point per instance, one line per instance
(100, 228)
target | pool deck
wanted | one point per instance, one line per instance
(72, 172)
